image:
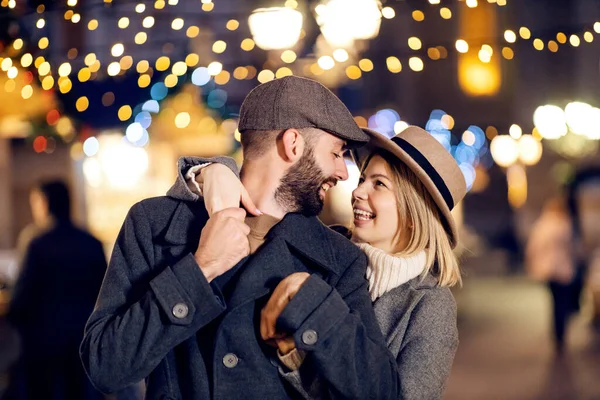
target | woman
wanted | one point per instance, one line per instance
(402, 221)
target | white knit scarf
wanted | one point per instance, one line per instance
(388, 271)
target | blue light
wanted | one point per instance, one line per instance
(144, 118)
(159, 91)
(200, 76)
(442, 136)
(479, 136)
(469, 174)
(217, 98)
(465, 154)
(151, 106)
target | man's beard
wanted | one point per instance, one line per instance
(300, 186)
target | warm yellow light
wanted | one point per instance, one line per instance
(462, 46)
(247, 44)
(288, 56)
(142, 66)
(113, 68)
(574, 40)
(95, 67)
(6, 64)
(293, 4)
(388, 12)
(140, 8)
(192, 59)
(159, 4)
(124, 113)
(117, 50)
(208, 7)
(553, 46)
(597, 27)
(214, 68)
(588, 37)
(434, 1)
(501, 2)
(65, 86)
(517, 185)
(44, 68)
(182, 120)
(232, 24)
(414, 43)
(71, 3)
(18, 44)
(538, 44)
(171, 81)
(26, 60)
(84, 74)
(222, 78)
(365, 64)
(283, 71)
(418, 15)
(47, 82)
(478, 79)
(126, 62)
(41, 23)
(353, 72)
(90, 59)
(177, 24)
(92, 24)
(240, 73)
(9, 86)
(76, 18)
(12, 72)
(515, 131)
(508, 53)
(393, 64)
(524, 32)
(471, 3)
(340, 55)
(43, 43)
(179, 68)
(315, 69)
(445, 13)
(265, 75)
(144, 80)
(38, 62)
(219, 46)
(162, 63)
(504, 150)
(433, 53)
(192, 31)
(561, 38)
(64, 69)
(82, 104)
(140, 37)
(484, 56)
(510, 36)
(326, 63)
(123, 22)
(416, 64)
(148, 22)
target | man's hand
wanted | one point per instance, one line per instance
(280, 298)
(285, 345)
(221, 189)
(223, 242)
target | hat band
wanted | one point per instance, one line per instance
(438, 181)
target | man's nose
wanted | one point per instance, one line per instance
(341, 172)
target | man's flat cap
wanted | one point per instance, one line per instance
(294, 102)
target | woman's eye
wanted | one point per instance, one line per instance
(361, 180)
(379, 183)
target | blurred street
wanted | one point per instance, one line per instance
(505, 350)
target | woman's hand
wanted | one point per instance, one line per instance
(285, 345)
(222, 189)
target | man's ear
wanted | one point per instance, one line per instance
(292, 145)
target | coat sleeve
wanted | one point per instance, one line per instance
(142, 312)
(346, 351)
(180, 189)
(428, 348)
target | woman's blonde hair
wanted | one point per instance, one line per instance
(416, 208)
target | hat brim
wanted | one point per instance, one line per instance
(378, 140)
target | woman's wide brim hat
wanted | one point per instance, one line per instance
(433, 165)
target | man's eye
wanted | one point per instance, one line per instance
(337, 155)
(361, 180)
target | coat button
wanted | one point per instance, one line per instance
(309, 337)
(180, 310)
(230, 360)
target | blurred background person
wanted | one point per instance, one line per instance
(60, 276)
(552, 257)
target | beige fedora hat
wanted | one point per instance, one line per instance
(431, 163)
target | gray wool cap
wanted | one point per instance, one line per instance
(294, 102)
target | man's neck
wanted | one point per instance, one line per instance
(261, 183)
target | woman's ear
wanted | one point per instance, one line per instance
(293, 145)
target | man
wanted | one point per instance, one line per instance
(60, 276)
(191, 302)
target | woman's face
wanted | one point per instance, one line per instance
(375, 207)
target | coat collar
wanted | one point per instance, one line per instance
(187, 222)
